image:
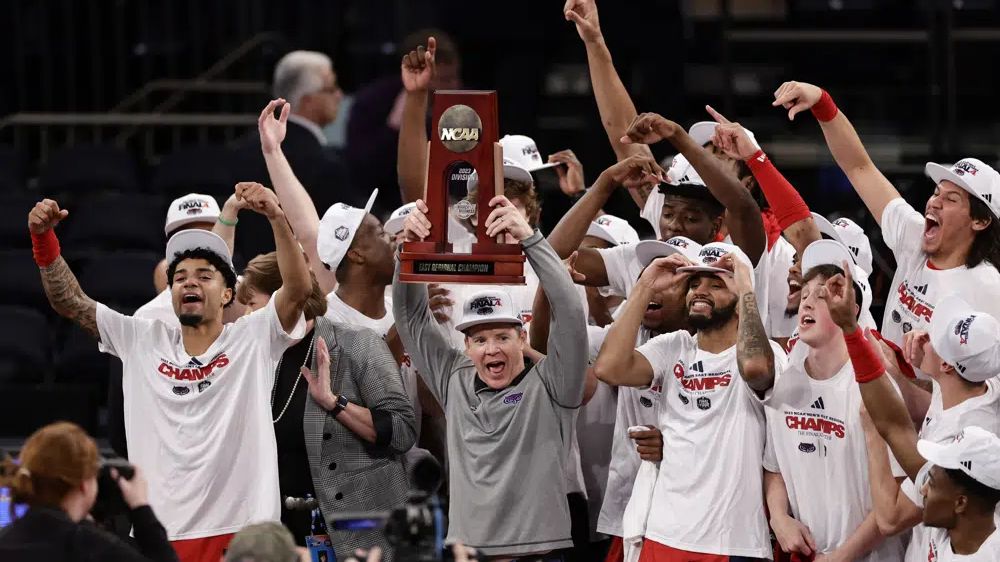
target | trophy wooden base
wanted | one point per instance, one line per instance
(488, 264)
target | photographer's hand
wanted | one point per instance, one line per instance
(135, 491)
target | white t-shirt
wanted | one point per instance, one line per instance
(816, 441)
(932, 544)
(708, 497)
(340, 312)
(623, 269)
(635, 407)
(200, 427)
(917, 287)
(941, 425)
(160, 308)
(595, 430)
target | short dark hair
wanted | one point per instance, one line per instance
(827, 271)
(974, 488)
(986, 246)
(211, 257)
(696, 193)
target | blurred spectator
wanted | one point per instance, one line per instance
(57, 479)
(265, 542)
(376, 116)
(307, 81)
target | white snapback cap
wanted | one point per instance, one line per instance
(520, 158)
(703, 131)
(711, 253)
(337, 229)
(193, 207)
(850, 234)
(613, 230)
(832, 252)
(966, 339)
(648, 250)
(193, 239)
(682, 172)
(975, 451)
(487, 307)
(395, 223)
(972, 175)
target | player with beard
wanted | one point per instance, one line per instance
(816, 482)
(706, 503)
(956, 483)
(954, 245)
(196, 397)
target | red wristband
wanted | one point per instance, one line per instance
(904, 366)
(866, 362)
(825, 109)
(786, 203)
(45, 247)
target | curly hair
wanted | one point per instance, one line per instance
(986, 246)
(211, 257)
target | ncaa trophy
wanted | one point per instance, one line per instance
(465, 131)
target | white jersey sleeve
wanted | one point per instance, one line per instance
(119, 332)
(653, 209)
(770, 460)
(902, 227)
(662, 353)
(265, 323)
(623, 268)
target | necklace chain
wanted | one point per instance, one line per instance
(295, 386)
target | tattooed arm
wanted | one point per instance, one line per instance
(61, 287)
(754, 355)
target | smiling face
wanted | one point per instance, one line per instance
(667, 310)
(794, 288)
(199, 292)
(816, 326)
(683, 216)
(497, 352)
(947, 222)
(710, 302)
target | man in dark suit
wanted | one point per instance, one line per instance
(305, 79)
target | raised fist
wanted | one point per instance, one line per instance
(45, 216)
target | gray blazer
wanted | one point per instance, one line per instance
(350, 474)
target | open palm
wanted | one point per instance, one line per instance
(272, 130)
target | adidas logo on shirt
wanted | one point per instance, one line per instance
(818, 404)
(922, 289)
(697, 366)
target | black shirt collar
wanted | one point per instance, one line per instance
(480, 385)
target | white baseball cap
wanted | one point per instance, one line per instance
(520, 158)
(193, 207)
(975, 451)
(487, 307)
(648, 250)
(195, 238)
(711, 253)
(848, 233)
(832, 252)
(395, 223)
(613, 230)
(972, 175)
(337, 229)
(703, 131)
(682, 172)
(966, 339)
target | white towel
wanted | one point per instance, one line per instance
(637, 510)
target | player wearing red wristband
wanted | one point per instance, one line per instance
(954, 245)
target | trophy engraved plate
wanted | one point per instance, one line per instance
(465, 133)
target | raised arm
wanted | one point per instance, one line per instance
(225, 225)
(618, 362)
(884, 405)
(788, 207)
(613, 101)
(296, 284)
(754, 355)
(433, 355)
(296, 203)
(61, 287)
(417, 71)
(745, 224)
(844, 143)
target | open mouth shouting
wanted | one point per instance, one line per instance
(496, 368)
(191, 298)
(805, 321)
(932, 227)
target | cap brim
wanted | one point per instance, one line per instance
(939, 173)
(544, 166)
(511, 172)
(371, 201)
(394, 225)
(703, 269)
(826, 252)
(172, 226)
(938, 454)
(826, 227)
(598, 231)
(649, 250)
(702, 132)
(946, 312)
(186, 240)
(463, 326)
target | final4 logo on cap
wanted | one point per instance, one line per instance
(711, 253)
(649, 250)
(488, 307)
(613, 230)
(520, 158)
(337, 230)
(191, 208)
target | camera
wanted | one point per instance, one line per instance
(110, 503)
